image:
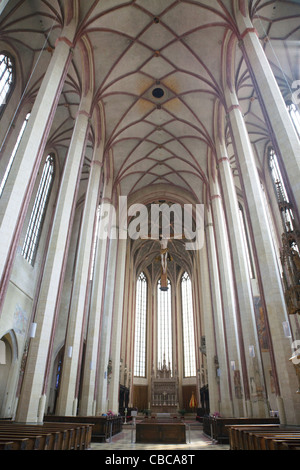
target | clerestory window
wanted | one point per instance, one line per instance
(33, 234)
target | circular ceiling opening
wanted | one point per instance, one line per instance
(158, 92)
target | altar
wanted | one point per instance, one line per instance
(161, 431)
(164, 391)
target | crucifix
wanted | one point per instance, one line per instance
(164, 258)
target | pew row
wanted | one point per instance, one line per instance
(264, 437)
(217, 428)
(47, 436)
(104, 427)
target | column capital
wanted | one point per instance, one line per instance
(65, 40)
(248, 31)
(96, 163)
(215, 196)
(233, 107)
(223, 159)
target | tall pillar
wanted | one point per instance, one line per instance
(68, 393)
(209, 330)
(228, 301)
(30, 153)
(33, 393)
(270, 97)
(92, 349)
(115, 348)
(254, 377)
(105, 364)
(226, 404)
(267, 266)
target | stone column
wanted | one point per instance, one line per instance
(68, 393)
(33, 393)
(266, 262)
(104, 361)
(115, 347)
(228, 300)
(209, 330)
(90, 375)
(30, 153)
(226, 404)
(271, 99)
(256, 403)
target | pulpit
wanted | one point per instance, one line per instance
(164, 390)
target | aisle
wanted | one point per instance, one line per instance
(196, 440)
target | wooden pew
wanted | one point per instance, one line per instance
(217, 427)
(267, 441)
(16, 444)
(102, 426)
(33, 441)
(49, 436)
(262, 437)
(286, 444)
(238, 438)
(6, 445)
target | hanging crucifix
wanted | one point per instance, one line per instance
(164, 258)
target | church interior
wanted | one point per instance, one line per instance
(150, 218)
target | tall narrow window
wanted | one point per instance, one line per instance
(164, 327)
(12, 157)
(188, 330)
(140, 327)
(281, 192)
(6, 78)
(38, 212)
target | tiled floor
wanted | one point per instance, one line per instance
(196, 440)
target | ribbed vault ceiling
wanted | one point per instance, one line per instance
(139, 46)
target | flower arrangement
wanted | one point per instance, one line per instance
(216, 414)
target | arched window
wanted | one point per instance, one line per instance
(164, 327)
(140, 327)
(38, 212)
(188, 330)
(12, 157)
(281, 192)
(7, 77)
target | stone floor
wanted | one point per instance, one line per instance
(125, 441)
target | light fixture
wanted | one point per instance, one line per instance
(32, 330)
(286, 329)
(70, 351)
